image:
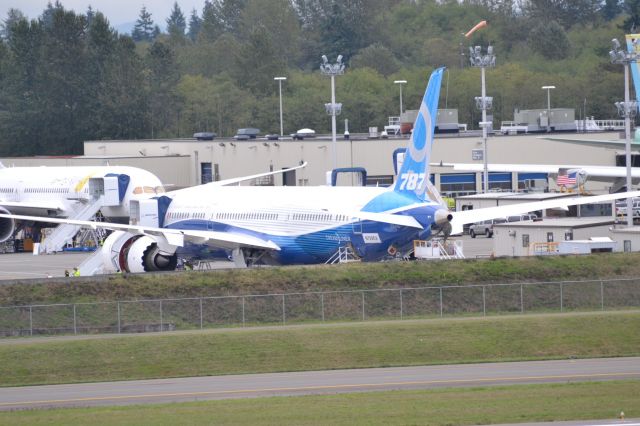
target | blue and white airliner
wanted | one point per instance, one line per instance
(303, 225)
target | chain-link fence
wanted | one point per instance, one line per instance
(138, 316)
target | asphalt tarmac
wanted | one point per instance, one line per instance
(317, 382)
(25, 266)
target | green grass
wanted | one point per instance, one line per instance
(375, 344)
(323, 277)
(460, 406)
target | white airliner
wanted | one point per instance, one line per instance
(297, 225)
(568, 176)
(65, 192)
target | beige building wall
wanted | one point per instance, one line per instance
(178, 161)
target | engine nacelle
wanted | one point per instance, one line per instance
(7, 226)
(127, 252)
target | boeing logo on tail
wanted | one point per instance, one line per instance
(413, 176)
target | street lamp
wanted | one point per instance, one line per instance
(627, 110)
(280, 80)
(333, 108)
(548, 89)
(482, 61)
(400, 83)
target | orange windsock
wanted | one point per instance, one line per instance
(479, 25)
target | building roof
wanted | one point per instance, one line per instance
(568, 222)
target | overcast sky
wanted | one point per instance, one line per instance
(117, 11)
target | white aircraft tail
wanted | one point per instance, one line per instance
(413, 177)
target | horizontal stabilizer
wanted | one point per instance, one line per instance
(464, 217)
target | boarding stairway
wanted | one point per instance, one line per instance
(344, 254)
(438, 249)
(63, 234)
(103, 192)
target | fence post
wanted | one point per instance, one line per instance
(440, 301)
(521, 298)
(561, 301)
(75, 329)
(401, 312)
(161, 315)
(484, 302)
(118, 304)
(30, 320)
(363, 306)
(284, 310)
(243, 311)
(201, 313)
(322, 305)
(602, 295)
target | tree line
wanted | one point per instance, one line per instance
(66, 77)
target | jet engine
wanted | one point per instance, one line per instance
(127, 252)
(7, 226)
(442, 222)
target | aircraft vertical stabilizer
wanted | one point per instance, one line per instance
(414, 174)
(633, 46)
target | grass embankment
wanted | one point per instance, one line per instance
(320, 347)
(468, 406)
(323, 277)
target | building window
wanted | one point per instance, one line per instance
(205, 173)
(380, 180)
(525, 240)
(627, 246)
(568, 235)
(549, 237)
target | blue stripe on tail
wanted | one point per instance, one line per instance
(413, 176)
(412, 181)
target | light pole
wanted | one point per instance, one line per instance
(482, 61)
(400, 83)
(280, 80)
(627, 109)
(333, 108)
(548, 89)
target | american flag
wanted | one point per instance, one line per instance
(566, 180)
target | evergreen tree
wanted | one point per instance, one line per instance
(610, 9)
(211, 25)
(550, 40)
(90, 15)
(144, 28)
(122, 95)
(13, 16)
(194, 25)
(176, 23)
(163, 78)
(632, 9)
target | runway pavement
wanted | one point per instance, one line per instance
(15, 266)
(20, 266)
(318, 382)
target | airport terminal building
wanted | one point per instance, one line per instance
(187, 162)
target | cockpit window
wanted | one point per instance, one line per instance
(148, 190)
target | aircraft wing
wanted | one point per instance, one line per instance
(44, 207)
(392, 219)
(594, 172)
(464, 217)
(236, 181)
(175, 237)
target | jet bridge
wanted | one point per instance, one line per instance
(104, 191)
